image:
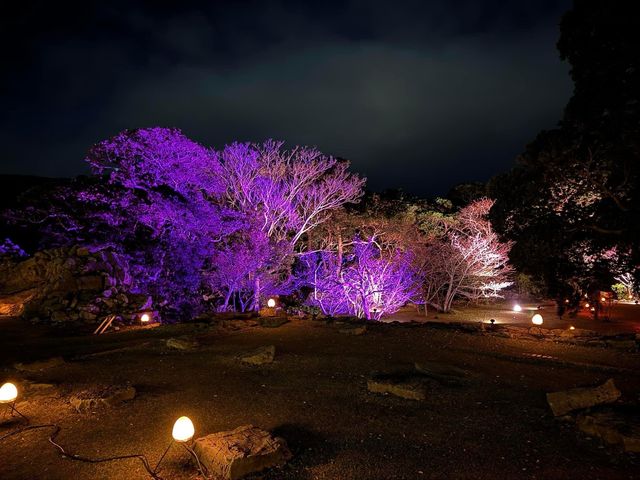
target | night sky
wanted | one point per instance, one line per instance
(420, 95)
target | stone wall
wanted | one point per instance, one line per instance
(71, 284)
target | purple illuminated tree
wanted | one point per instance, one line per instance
(284, 195)
(369, 280)
(197, 225)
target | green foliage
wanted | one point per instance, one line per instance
(622, 293)
(527, 286)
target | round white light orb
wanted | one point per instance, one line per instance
(183, 430)
(517, 308)
(8, 393)
(144, 318)
(572, 327)
(537, 319)
(271, 302)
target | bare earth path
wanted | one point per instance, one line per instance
(496, 425)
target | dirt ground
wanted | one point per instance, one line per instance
(496, 425)
(621, 317)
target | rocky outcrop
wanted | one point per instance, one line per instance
(72, 284)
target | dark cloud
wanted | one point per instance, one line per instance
(421, 96)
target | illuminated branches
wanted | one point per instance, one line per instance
(369, 281)
(290, 192)
(283, 195)
(467, 261)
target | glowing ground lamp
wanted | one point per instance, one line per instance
(586, 305)
(271, 303)
(8, 396)
(183, 430)
(537, 319)
(517, 308)
(182, 433)
(145, 318)
(572, 327)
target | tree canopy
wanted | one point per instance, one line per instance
(572, 201)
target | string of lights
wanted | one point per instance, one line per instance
(72, 456)
(183, 431)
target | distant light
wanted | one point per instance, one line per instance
(517, 308)
(8, 393)
(271, 302)
(572, 327)
(537, 319)
(593, 309)
(144, 318)
(603, 299)
(566, 300)
(183, 430)
(586, 305)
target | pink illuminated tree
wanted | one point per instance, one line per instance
(467, 261)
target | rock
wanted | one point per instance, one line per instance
(59, 316)
(260, 356)
(88, 316)
(538, 331)
(182, 343)
(447, 374)
(566, 401)
(39, 366)
(40, 389)
(628, 345)
(13, 304)
(91, 282)
(268, 312)
(403, 386)
(618, 426)
(236, 453)
(354, 330)
(101, 396)
(273, 322)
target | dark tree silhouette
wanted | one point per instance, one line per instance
(571, 203)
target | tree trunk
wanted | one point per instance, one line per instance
(256, 294)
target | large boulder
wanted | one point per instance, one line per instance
(567, 401)
(236, 453)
